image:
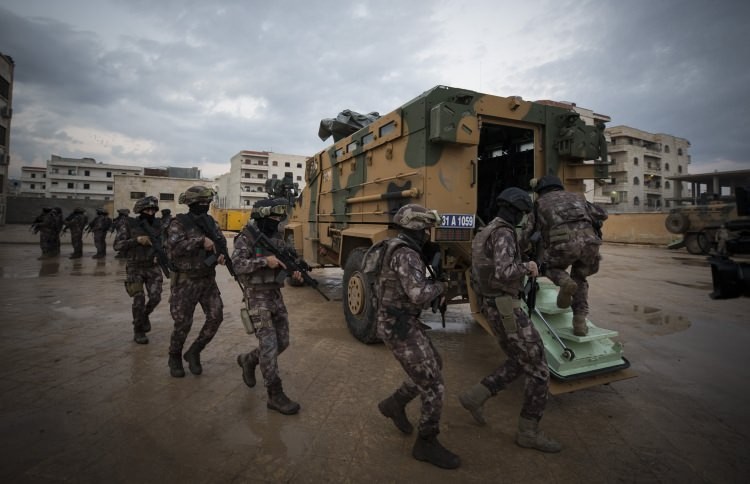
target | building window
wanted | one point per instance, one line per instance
(86, 173)
(275, 163)
(287, 164)
(44, 186)
(299, 165)
(70, 185)
(247, 202)
(679, 168)
(274, 176)
(86, 186)
(666, 148)
(109, 174)
(71, 172)
(679, 151)
(166, 196)
(33, 175)
(54, 184)
(667, 204)
(636, 181)
(106, 198)
(33, 186)
(109, 187)
(247, 175)
(299, 178)
(666, 184)
(666, 166)
(635, 161)
(260, 175)
(137, 195)
(630, 141)
(636, 201)
(54, 170)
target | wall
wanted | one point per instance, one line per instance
(23, 210)
(153, 186)
(638, 228)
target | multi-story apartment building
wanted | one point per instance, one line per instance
(7, 67)
(641, 164)
(130, 188)
(79, 178)
(249, 170)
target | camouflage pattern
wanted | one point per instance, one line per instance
(268, 312)
(416, 217)
(99, 227)
(141, 270)
(76, 222)
(522, 345)
(46, 225)
(403, 292)
(121, 219)
(58, 226)
(192, 283)
(564, 220)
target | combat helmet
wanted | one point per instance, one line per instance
(269, 206)
(416, 217)
(197, 194)
(144, 203)
(166, 211)
(516, 198)
(123, 211)
(79, 210)
(101, 211)
(548, 182)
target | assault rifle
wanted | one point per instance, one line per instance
(208, 227)
(156, 244)
(287, 256)
(431, 253)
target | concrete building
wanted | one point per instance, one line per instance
(77, 178)
(33, 182)
(7, 67)
(249, 170)
(642, 163)
(129, 188)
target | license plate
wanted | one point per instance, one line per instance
(457, 220)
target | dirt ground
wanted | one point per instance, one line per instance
(82, 403)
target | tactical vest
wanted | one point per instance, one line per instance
(565, 214)
(483, 265)
(265, 277)
(388, 285)
(140, 254)
(194, 263)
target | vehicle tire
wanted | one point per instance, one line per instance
(705, 241)
(677, 223)
(692, 244)
(358, 298)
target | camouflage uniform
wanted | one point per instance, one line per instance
(565, 222)
(122, 218)
(99, 226)
(58, 226)
(403, 292)
(46, 225)
(76, 222)
(142, 271)
(193, 282)
(517, 337)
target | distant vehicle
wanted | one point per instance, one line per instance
(453, 150)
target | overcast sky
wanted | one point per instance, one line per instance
(191, 83)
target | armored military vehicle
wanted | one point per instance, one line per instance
(453, 150)
(698, 224)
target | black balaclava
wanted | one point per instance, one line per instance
(415, 238)
(268, 226)
(199, 208)
(148, 217)
(510, 214)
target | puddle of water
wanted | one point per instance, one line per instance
(656, 321)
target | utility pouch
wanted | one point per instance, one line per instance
(504, 305)
(559, 235)
(211, 260)
(247, 321)
(134, 288)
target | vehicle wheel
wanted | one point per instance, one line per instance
(677, 223)
(359, 303)
(692, 245)
(705, 238)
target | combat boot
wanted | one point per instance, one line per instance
(580, 328)
(193, 357)
(568, 287)
(98, 256)
(427, 448)
(278, 401)
(473, 399)
(394, 408)
(140, 338)
(175, 366)
(75, 256)
(146, 326)
(530, 437)
(248, 365)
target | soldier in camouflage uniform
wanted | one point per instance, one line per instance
(134, 240)
(75, 222)
(122, 218)
(262, 276)
(570, 231)
(499, 273)
(403, 291)
(193, 256)
(45, 225)
(58, 226)
(99, 226)
(166, 217)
